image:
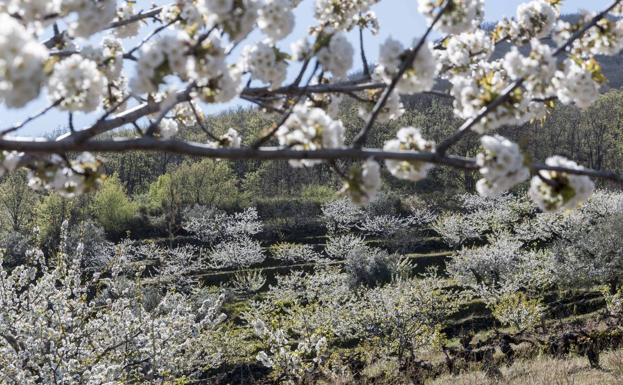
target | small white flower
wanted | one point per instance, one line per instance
(159, 58)
(310, 129)
(536, 18)
(466, 48)
(409, 139)
(276, 19)
(463, 16)
(575, 85)
(420, 77)
(364, 182)
(124, 12)
(92, 16)
(337, 56)
(501, 165)
(301, 49)
(231, 139)
(9, 161)
(263, 62)
(220, 7)
(22, 60)
(562, 190)
(168, 128)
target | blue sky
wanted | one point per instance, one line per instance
(398, 18)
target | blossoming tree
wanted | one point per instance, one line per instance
(151, 89)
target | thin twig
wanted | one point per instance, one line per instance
(364, 59)
(266, 153)
(130, 53)
(31, 118)
(200, 122)
(57, 37)
(165, 110)
(285, 117)
(362, 136)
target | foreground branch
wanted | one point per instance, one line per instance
(266, 153)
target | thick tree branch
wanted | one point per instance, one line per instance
(152, 144)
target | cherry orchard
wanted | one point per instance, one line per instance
(186, 54)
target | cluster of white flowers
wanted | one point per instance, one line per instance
(554, 190)
(537, 69)
(91, 16)
(168, 128)
(78, 83)
(310, 129)
(218, 83)
(210, 60)
(230, 139)
(237, 18)
(265, 63)
(124, 12)
(160, 58)
(343, 15)
(224, 88)
(363, 182)
(39, 12)
(276, 19)
(9, 161)
(337, 55)
(465, 49)
(474, 90)
(461, 16)
(101, 317)
(22, 60)
(81, 175)
(187, 12)
(409, 139)
(501, 165)
(575, 84)
(418, 78)
(300, 49)
(285, 354)
(108, 55)
(536, 18)
(605, 38)
(184, 113)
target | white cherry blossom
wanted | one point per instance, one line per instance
(555, 190)
(78, 83)
(409, 139)
(501, 165)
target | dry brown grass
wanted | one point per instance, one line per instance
(547, 371)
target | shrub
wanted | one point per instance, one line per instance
(341, 215)
(517, 310)
(292, 252)
(112, 208)
(318, 193)
(14, 247)
(340, 245)
(370, 266)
